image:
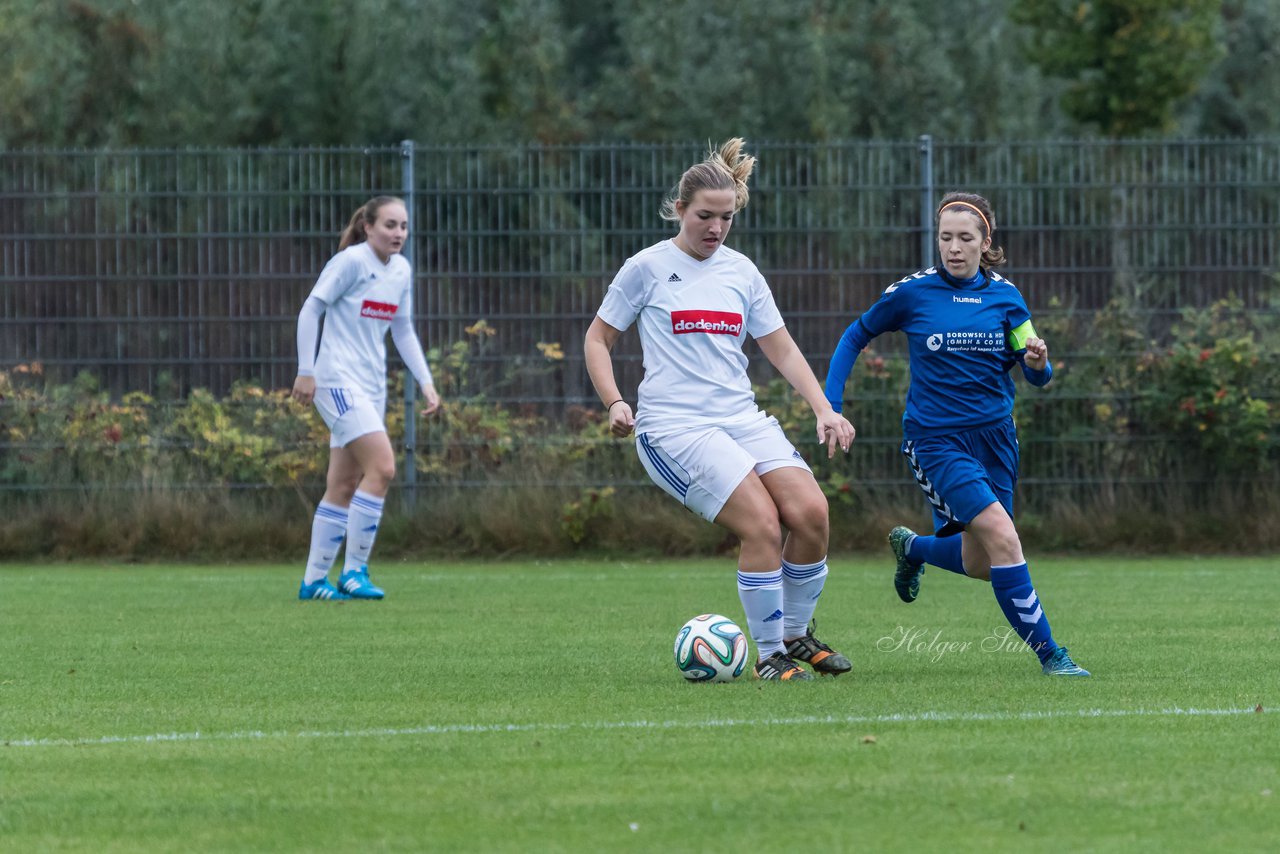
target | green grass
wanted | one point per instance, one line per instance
(533, 706)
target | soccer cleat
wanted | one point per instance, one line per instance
(1060, 664)
(779, 666)
(906, 577)
(356, 584)
(824, 660)
(321, 589)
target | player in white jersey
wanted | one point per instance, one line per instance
(699, 433)
(364, 290)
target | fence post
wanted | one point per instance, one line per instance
(926, 201)
(926, 223)
(410, 467)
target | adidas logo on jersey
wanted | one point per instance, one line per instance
(675, 278)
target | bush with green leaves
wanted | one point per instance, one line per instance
(1195, 401)
(1123, 410)
(1211, 390)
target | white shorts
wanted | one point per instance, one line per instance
(701, 468)
(350, 414)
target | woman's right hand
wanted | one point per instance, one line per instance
(304, 389)
(621, 420)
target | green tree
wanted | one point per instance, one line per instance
(297, 72)
(819, 69)
(1238, 97)
(1128, 63)
(71, 73)
(900, 69)
(294, 72)
(243, 73)
(523, 58)
(687, 70)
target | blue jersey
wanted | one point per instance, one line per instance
(962, 336)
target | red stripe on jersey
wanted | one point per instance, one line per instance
(378, 310)
(708, 322)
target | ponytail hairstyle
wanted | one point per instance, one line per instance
(726, 168)
(365, 216)
(972, 203)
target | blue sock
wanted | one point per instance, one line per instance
(942, 552)
(1021, 606)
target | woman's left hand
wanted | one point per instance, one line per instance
(430, 399)
(834, 429)
(1037, 355)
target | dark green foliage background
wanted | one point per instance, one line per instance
(296, 72)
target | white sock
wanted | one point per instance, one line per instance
(801, 586)
(761, 595)
(365, 514)
(328, 530)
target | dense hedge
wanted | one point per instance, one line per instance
(1146, 445)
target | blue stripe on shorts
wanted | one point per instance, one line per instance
(660, 464)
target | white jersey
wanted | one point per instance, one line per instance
(362, 296)
(693, 317)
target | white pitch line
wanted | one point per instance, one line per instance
(450, 729)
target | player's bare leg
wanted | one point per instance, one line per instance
(751, 513)
(372, 457)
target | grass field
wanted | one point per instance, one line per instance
(534, 706)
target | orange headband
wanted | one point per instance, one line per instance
(973, 208)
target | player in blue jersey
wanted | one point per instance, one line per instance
(966, 327)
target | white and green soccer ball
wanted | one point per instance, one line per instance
(710, 648)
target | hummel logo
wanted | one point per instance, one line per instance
(1033, 616)
(675, 278)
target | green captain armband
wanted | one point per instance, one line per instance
(1018, 337)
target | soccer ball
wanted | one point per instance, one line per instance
(711, 648)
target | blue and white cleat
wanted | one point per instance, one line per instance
(321, 589)
(1060, 664)
(355, 583)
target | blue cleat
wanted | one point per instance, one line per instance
(1060, 664)
(906, 577)
(355, 583)
(321, 589)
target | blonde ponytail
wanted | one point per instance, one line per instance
(725, 168)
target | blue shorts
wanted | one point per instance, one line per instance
(964, 473)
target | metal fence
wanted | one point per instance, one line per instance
(165, 271)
